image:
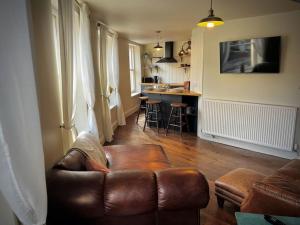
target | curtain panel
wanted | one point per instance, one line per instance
(116, 76)
(22, 170)
(65, 13)
(107, 129)
(87, 68)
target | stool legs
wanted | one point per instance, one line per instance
(187, 122)
(153, 114)
(146, 116)
(180, 120)
(142, 106)
(177, 114)
(156, 115)
(137, 118)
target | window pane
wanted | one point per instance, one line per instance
(132, 81)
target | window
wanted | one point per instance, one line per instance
(134, 68)
(109, 67)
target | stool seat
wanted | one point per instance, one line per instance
(178, 105)
(235, 185)
(153, 102)
(143, 98)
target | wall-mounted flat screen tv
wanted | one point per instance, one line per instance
(257, 55)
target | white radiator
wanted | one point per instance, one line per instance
(267, 125)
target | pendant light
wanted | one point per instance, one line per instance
(158, 47)
(211, 21)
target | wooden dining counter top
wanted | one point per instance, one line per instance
(162, 84)
(184, 93)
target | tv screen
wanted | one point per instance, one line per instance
(257, 55)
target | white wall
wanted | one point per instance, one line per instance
(168, 72)
(278, 89)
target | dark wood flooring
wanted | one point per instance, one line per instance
(212, 159)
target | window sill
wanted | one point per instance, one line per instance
(135, 94)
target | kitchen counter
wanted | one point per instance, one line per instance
(184, 93)
(162, 84)
(168, 97)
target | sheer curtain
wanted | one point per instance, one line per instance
(22, 170)
(116, 76)
(65, 12)
(107, 129)
(87, 68)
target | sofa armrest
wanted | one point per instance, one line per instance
(262, 202)
(130, 192)
(75, 193)
(181, 188)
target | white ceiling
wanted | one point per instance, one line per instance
(138, 20)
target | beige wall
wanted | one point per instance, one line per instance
(278, 89)
(168, 72)
(46, 80)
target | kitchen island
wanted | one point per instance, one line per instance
(169, 96)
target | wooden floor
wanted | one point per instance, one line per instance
(212, 159)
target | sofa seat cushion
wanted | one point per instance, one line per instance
(147, 156)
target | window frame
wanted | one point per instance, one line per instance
(134, 68)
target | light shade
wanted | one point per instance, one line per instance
(211, 20)
(158, 46)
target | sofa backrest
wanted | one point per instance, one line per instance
(74, 160)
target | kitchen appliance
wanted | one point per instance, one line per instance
(169, 58)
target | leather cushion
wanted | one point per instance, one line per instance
(92, 165)
(129, 192)
(74, 161)
(147, 156)
(181, 188)
(239, 181)
(75, 193)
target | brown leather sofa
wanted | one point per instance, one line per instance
(278, 194)
(141, 189)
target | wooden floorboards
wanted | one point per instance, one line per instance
(212, 159)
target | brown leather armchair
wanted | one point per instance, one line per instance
(278, 194)
(141, 189)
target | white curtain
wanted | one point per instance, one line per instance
(65, 13)
(116, 76)
(107, 129)
(22, 170)
(87, 68)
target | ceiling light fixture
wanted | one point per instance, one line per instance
(158, 47)
(211, 21)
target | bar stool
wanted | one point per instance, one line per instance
(143, 100)
(153, 114)
(178, 111)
